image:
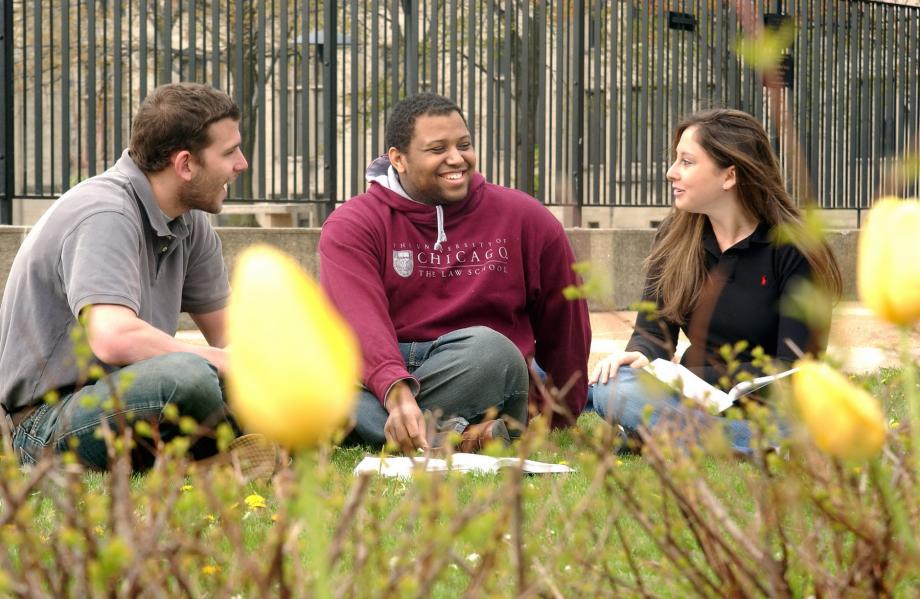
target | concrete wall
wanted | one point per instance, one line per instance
(616, 254)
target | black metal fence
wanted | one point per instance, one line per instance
(573, 101)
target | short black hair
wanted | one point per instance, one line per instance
(401, 125)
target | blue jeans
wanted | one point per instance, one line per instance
(635, 398)
(185, 380)
(463, 373)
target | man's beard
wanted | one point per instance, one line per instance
(202, 193)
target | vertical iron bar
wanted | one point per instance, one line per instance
(433, 44)
(865, 108)
(166, 65)
(412, 40)
(394, 51)
(561, 84)
(330, 100)
(628, 144)
(7, 144)
(91, 125)
(454, 75)
(260, 90)
(37, 96)
(215, 44)
(505, 150)
(525, 170)
(65, 95)
(118, 74)
(239, 83)
(578, 112)
(659, 126)
(613, 97)
(643, 128)
(355, 178)
(490, 90)
(837, 194)
(718, 68)
(540, 137)
(878, 131)
(853, 108)
(471, 36)
(142, 48)
(192, 41)
(597, 131)
(375, 81)
(305, 157)
(284, 122)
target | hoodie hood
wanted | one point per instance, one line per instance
(390, 191)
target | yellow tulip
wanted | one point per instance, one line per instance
(294, 362)
(843, 419)
(888, 270)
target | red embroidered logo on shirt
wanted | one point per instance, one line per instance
(763, 280)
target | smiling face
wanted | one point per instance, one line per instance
(439, 161)
(699, 184)
(214, 168)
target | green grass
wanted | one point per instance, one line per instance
(447, 535)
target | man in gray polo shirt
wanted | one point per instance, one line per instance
(125, 252)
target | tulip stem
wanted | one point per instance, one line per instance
(909, 376)
(309, 506)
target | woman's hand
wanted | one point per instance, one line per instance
(609, 365)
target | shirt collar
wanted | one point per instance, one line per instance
(760, 236)
(163, 227)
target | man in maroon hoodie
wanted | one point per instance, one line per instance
(452, 284)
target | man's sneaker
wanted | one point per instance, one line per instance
(252, 457)
(477, 436)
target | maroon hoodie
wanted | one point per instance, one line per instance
(504, 264)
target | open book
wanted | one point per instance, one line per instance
(692, 386)
(459, 462)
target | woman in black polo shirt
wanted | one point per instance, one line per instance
(720, 272)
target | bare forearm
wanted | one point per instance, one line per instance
(119, 338)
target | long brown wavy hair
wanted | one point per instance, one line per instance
(676, 264)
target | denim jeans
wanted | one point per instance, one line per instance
(463, 373)
(185, 380)
(635, 398)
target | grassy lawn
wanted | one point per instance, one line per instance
(688, 523)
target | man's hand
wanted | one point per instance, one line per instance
(608, 366)
(406, 425)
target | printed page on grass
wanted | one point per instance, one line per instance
(692, 386)
(458, 462)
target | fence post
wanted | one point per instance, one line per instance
(6, 114)
(330, 105)
(412, 40)
(578, 116)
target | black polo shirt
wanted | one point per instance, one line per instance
(741, 301)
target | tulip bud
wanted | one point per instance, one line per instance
(888, 270)
(843, 419)
(294, 362)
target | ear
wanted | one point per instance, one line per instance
(182, 164)
(730, 179)
(397, 159)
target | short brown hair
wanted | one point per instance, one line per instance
(176, 117)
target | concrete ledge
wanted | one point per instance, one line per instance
(270, 214)
(616, 253)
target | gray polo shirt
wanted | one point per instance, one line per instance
(105, 241)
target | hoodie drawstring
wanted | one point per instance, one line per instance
(442, 236)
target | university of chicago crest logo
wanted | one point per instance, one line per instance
(402, 262)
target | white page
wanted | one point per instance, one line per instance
(403, 467)
(689, 384)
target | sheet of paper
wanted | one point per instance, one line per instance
(689, 384)
(403, 467)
